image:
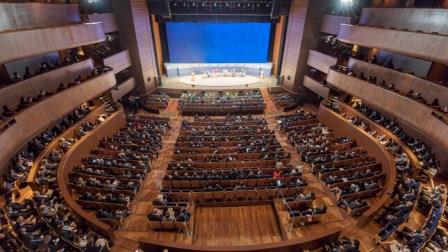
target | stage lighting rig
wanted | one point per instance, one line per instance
(347, 2)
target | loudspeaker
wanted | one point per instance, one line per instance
(165, 10)
(275, 9)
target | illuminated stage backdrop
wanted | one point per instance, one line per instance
(218, 42)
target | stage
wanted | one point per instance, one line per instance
(219, 82)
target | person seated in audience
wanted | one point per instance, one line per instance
(44, 68)
(61, 87)
(435, 103)
(27, 73)
(277, 174)
(65, 144)
(24, 102)
(7, 113)
(16, 77)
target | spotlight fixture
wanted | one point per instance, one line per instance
(347, 2)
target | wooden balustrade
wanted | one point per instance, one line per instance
(402, 81)
(405, 109)
(349, 111)
(341, 126)
(107, 19)
(321, 61)
(118, 61)
(28, 43)
(426, 46)
(16, 16)
(67, 134)
(49, 81)
(316, 87)
(331, 23)
(414, 19)
(123, 89)
(74, 156)
(33, 120)
(309, 242)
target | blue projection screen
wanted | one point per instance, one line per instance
(218, 42)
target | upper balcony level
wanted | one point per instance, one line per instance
(321, 61)
(316, 87)
(403, 82)
(27, 43)
(29, 122)
(414, 113)
(412, 19)
(118, 61)
(331, 23)
(427, 46)
(49, 82)
(108, 20)
(123, 89)
(19, 16)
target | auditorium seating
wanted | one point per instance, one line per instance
(417, 239)
(222, 103)
(217, 160)
(45, 67)
(422, 151)
(154, 102)
(284, 100)
(10, 110)
(44, 221)
(111, 175)
(411, 94)
(346, 169)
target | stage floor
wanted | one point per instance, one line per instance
(219, 83)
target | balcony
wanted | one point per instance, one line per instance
(316, 87)
(49, 81)
(118, 61)
(403, 82)
(331, 23)
(18, 16)
(413, 113)
(108, 20)
(30, 122)
(427, 46)
(27, 43)
(413, 19)
(123, 89)
(321, 61)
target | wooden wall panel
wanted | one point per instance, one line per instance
(316, 87)
(421, 45)
(49, 81)
(293, 245)
(157, 43)
(108, 20)
(276, 48)
(373, 147)
(118, 61)
(399, 106)
(28, 43)
(15, 16)
(136, 36)
(321, 61)
(34, 119)
(123, 89)
(414, 19)
(304, 22)
(402, 81)
(331, 23)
